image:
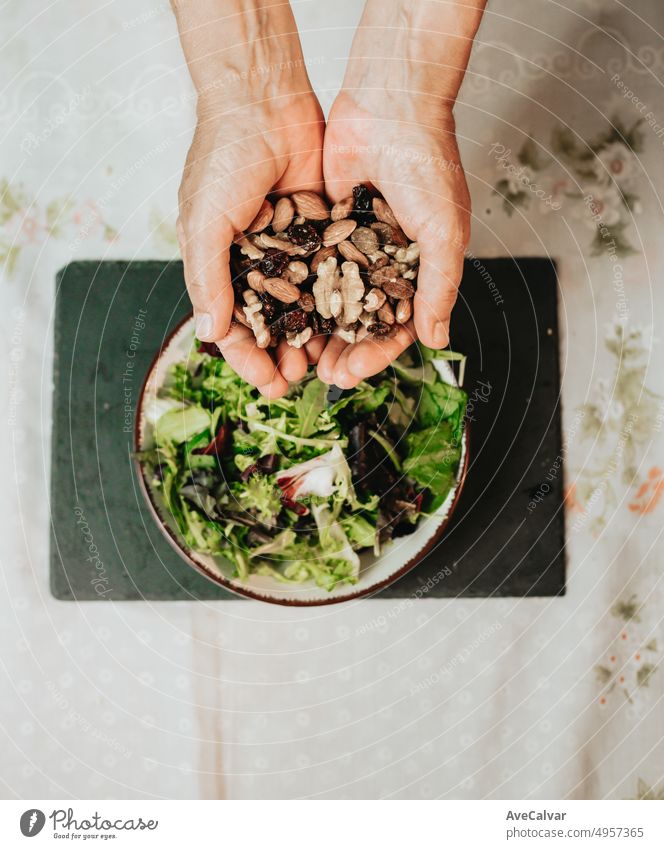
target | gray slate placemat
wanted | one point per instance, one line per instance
(112, 318)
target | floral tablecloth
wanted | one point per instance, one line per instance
(561, 126)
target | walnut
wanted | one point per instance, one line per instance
(345, 333)
(297, 340)
(409, 255)
(297, 272)
(248, 248)
(327, 282)
(254, 314)
(352, 292)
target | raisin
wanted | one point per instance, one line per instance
(270, 307)
(274, 262)
(304, 236)
(363, 212)
(326, 325)
(293, 321)
(379, 329)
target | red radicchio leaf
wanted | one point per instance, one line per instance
(218, 444)
(211, 349)
(295, 506)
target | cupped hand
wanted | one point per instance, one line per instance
(239, 154)
(413, 161)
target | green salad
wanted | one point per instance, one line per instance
(296, 488)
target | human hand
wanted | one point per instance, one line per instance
(392, 126)
(257, 133)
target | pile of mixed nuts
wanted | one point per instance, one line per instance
(302, 269)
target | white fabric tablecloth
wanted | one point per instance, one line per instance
(460, 698)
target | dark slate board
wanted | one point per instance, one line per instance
(111, 319)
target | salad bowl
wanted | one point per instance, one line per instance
(374, 572)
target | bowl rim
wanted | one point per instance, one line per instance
(246, 592)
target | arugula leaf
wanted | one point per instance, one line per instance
(311, 405)
(433, 455)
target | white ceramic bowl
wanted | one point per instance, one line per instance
(397, 558)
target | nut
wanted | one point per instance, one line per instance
(239, 316)
(389, 235)
(386, 314)
(381, 276)
(365, 240)
(266, 241)
(297, 340)
(281, 289)
(320, 256)
(345, 333)
(307, 302)
(255, 280)
(380, 330)
(310, 205)
(283, 215)
(374, 300)
(254, 314)
(352, 292)
(398, 288)
(327, 282)
(404, 310)
(336, 303)
(297, 272)
(352, 254)
(383, 212)
(338, 231)
(262, 219)
(342, 209)
(409, 255)
(249, 249)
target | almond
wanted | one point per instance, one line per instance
(338, 231)
(255, 279)
(263, 218)
(352, 254)
(383, 212)
(342, 209)
(386, 314)
(320, 256)
(398, 288)
(310, 205)
(404, 310)
(282, 290)
(283, 215)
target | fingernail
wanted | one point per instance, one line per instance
(440, 334)
(204, 326)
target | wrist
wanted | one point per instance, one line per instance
(416, 50)
(241, 52)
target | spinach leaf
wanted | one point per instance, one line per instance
(433, 455)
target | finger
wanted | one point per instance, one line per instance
(441, 266)
(204, 245)
(277, 388)
(329, 357)
(315, 348)
(343, 378)
(253, 364)
(370, 355)
(292, 361)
